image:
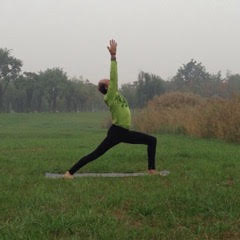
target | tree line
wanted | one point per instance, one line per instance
(52, 90)
(191, 77)
(46, 91)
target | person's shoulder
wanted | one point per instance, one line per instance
(110, 95)
(105, 98)
(109, 98)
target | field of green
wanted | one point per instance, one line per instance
(200, 199)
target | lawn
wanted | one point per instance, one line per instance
(200, 199)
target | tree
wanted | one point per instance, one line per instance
(213, 87)
(54, 80)
(26, 85)
(10, 67)
(191, 77)
(148, 85)
(233, 82)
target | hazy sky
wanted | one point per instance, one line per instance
(156, 36)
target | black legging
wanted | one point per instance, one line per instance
(117, 135)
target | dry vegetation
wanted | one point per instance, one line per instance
(190, 114)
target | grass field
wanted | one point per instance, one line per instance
(200, 199)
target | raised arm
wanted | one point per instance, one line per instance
(113, 85)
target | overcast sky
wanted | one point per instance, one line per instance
(156, 36)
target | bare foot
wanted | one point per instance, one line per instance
(67, 175)
(153, 171)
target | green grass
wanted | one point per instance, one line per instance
(200, 199)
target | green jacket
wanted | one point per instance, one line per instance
(118, 105)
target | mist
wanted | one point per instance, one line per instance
(156, 36)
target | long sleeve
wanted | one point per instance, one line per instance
(118, 105)
(113, 85)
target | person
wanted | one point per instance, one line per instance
(121, 119)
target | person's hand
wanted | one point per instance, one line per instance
(112, 48)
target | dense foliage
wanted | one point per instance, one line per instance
(52, 90)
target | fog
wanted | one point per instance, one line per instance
(156, 36)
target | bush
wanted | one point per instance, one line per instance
(191, 114)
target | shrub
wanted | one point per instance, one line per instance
(191, 114)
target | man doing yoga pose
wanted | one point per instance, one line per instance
(121, 120)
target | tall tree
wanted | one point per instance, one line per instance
(148, 85)
(54, 80)
(233, 82)
(26, 83)
(10, 67)
(191, 77)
